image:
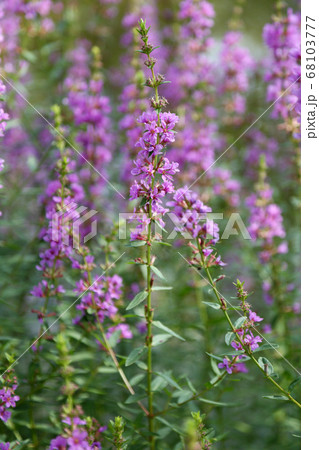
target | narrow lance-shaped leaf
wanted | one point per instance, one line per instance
(158, 272)
(135, 355)
(159, 325)
(137, 300)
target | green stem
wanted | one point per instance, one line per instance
(213, 285)
(109, 350)
(149, 312)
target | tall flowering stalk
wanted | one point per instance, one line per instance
(91, 115)
(18, 18)
(4, 117)
(133, 101)
(283, 39)
(236, 66)
(58, 233)
(266, 227)
(98, 294)
(154, 173)
(260, 145)
(241, 335)
(194, 90)
(265, 222)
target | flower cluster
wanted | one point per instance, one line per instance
(8, 397)
(133, 101)
(245, 340)
(194, 90)
(260, 145)
(79, 433)
(283, 39)
(4, 445)
(266, 222)
(4, 117)
(236, 66)
(110, 8)
(192, 218)
(266, 228)
(151, 161)
(233, 367)
(16, 142)
(99, 297)
(3, 120)
(91, 114)
(60, 211)
(226, 187)
(15, 14)
(59, 239)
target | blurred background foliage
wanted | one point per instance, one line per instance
(244, 419)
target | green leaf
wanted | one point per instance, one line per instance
(135, 355)
(137, 300)
(159, 325)
(136, 244)
(136, 379)
(162, 243)
(134, 398)
(159, 383)
(266, 365)
(234, 353)
(141, 365)
(171, 425)
(266, 347)
(81, 356)
(215, 357)
(184, 395)
(161, 288)
(190, 385)
(169, 379)
(212, 305)
(115, 338)
(107, 370)
(22, 445)
(158, 272)
(215, 368)
(211, 402)
(159, 339)
(294, 383)
(29, 56)
(276, 397)
(229, 337)
(69, 293)
(240, 322)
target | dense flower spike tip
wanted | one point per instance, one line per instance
(91, 114)
(192, 218)
(245, 341)
(80, 433)
(8, 397)
(283, 39)
(153, 171)
(236, 68)
(4, 117)
(266, 221)
(194, 90)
